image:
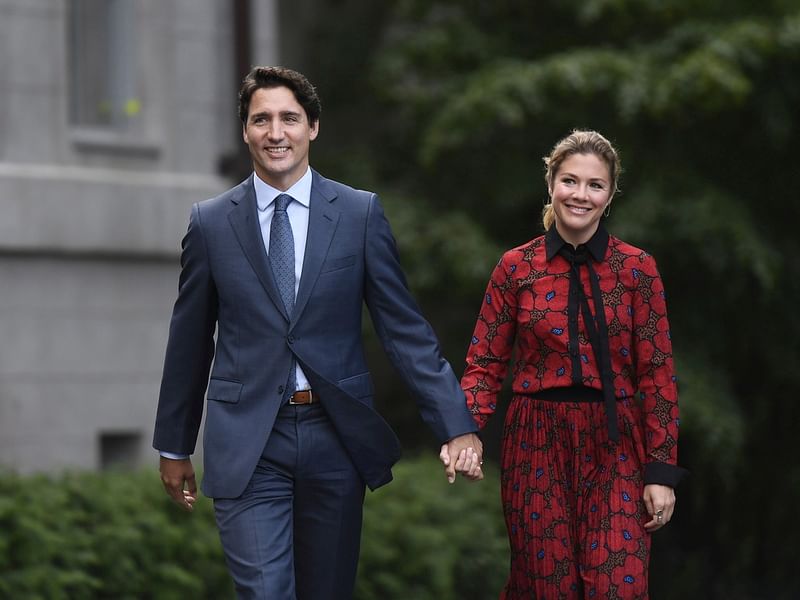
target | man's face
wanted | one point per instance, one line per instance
(278, 134)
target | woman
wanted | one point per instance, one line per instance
(589, 455)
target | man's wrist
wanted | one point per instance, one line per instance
(173, 455)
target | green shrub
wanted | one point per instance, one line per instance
(117, 535)
(426, 539)
(114, 535)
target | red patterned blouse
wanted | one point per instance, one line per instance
(527, 302)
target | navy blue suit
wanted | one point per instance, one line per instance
(227, 285)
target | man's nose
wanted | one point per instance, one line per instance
(275, 130)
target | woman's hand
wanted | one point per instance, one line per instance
(660, 503)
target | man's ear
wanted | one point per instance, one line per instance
(314, 131)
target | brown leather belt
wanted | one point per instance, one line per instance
(303, 397)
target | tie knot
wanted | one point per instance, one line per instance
(282, 201)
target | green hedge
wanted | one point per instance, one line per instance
(117, 535)
(426, 539)
(105, 536)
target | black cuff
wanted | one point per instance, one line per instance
(664, 474)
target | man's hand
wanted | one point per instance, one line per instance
(463, 454)
(179, 482)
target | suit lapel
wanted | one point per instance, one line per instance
(322, 220)
(244, 220)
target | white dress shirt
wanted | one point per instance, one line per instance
(298, 216)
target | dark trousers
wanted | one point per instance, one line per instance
(295, 531)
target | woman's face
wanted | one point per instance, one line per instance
(580, 192)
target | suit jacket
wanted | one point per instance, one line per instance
(226, 284)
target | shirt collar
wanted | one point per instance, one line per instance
(266, 194)
(596, 245)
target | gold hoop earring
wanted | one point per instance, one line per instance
(607, 212)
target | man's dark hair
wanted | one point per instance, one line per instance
(272, 77)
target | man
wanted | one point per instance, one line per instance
(280, 266)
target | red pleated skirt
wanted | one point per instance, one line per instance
(572, 501)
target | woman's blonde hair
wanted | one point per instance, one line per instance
(579, 142)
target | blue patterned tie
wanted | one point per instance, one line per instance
(281, 257)
(281, 251)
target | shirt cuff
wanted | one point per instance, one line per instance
(173, 456)
(664, 474)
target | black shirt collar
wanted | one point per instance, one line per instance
(596, 245)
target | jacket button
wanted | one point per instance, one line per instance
(291, 339)
(280, 389)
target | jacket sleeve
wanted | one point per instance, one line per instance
(655, 374)
(407, 337)
(491, 344)
(190, 347)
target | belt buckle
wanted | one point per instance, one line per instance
(310, 398)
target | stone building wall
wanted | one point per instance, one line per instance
(115, 116)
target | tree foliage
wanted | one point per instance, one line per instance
(702, 98)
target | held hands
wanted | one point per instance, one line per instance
(179, 482)
(463, 454)
(659, 500)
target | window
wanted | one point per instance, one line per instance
(104, 91)
(120, 449)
